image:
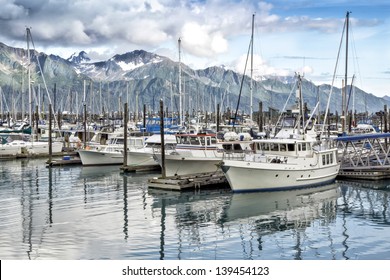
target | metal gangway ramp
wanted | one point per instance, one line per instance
(364, 156)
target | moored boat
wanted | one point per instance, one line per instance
(199, 153)
(295, 158)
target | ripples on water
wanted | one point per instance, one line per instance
(97, 213)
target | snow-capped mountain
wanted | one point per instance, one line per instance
(152, 77)
(80, 58)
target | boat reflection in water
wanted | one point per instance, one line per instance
(237, 218)
(275, 211)
(98, 213)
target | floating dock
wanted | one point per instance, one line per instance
(140, 168)
(65, 160)
(184, 182)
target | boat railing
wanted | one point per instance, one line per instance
(252, 156)
(266, 158)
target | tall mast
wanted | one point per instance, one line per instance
(251, 83)
(344, 99)
(28, 36)
(180, 105)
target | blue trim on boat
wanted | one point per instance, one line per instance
(285, 188)
(362, 137)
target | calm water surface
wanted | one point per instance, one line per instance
(97, 213)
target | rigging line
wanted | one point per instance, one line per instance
(4, 99)
(285, 104)
(242, 83)
(355, 55)
(43, 77)
(333, 79)
(350, 92)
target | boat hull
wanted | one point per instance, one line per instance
(25, 148)
(140, 158)
(42, 148)
(93, 157)
(251, 176)
(7, 150)
(178, 165)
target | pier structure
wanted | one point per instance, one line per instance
(364, 156)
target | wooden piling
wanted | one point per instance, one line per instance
(126, 119)
(50, 136)
(163, 172)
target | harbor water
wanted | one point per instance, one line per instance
(76, 212)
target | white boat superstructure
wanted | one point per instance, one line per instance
(278, 164)
(28, 148)
(199, 153)
(109, 154)
(143, 156)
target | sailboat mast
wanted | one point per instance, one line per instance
(344, 99)
(180, 105)
(28, 36)
(251, 83)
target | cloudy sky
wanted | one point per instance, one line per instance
(290, 35)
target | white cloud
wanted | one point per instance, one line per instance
(201, 41)
(213, 32)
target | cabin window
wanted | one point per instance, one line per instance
(327, 159)
(331, 158)
(227, 147)
(291, 147)
(282, 147)
(274, 147)
(213, 140)
(194, 141)
(303, 146)
(183, 140)
(237, 147)
(323, 159)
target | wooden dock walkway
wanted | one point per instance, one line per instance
(198, 180)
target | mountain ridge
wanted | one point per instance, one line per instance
(148, 77)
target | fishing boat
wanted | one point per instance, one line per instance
(295, 158)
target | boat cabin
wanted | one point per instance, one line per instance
(282, 147)
(200, 140)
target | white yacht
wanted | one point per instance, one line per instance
(143, 156)
(199, 153)
(295, 158)
(111, 153)
(28, 148)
